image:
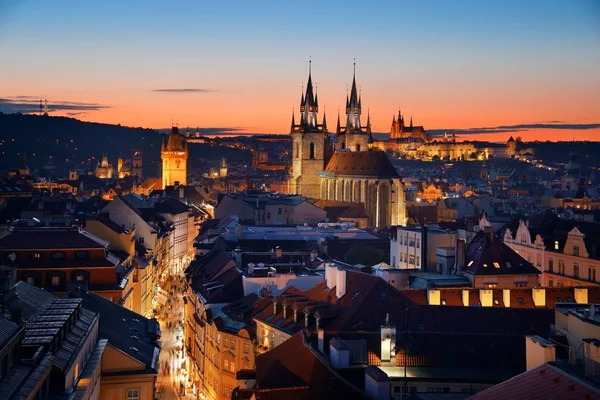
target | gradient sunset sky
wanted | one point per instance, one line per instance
(240, 65)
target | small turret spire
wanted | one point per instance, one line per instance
(337, 129)
(411, 121)
(324, 118)
(293, 121)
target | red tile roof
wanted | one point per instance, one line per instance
(546, 382)
(294, 364)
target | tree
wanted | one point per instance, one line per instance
(366, 255)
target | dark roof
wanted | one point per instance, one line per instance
(295, 364)
(47, 238)
(172, 206)
(546, 382)
(487, 254)
(215, 277)
(126, 330)
(372, 163)
(174, 142)
(8, 330)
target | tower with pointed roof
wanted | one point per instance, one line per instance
(174, 155)
(311, 148)
(354, 136)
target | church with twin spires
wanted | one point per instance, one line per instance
(343, 166)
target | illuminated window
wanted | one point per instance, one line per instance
(133, 394)
(36, 255)
(232, 366)
(226, 365)
(496, 265)
(55, 280)
(246, 348)
(470, 263)
(484, 265)
(232, 344)
(556, 245)
(443, 301)
(496, 302)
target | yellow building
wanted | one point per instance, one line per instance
(228, 348)
(104, 170)
(174, 160)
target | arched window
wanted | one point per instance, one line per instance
(357, 147)
(312, 151)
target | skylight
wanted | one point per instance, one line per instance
(470, 263)
(496, 265)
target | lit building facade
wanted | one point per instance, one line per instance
(174, 155)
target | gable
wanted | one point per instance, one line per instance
(114, 360)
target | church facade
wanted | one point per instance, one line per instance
(174, 155)
(343, 166)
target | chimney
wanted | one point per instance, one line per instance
(459, 259)
(306, 317)
(275, 308)
(377, 383)
(330, 275)
(278, 252)
(321, 339)
(181, 192)
(339, 354)
(340, 286)
(250, 269)
(506, 297)
(539, 297)
(465, 297)
(433, 297)
(237, 253)
(581, 295)
(538, 351)
(489, 230)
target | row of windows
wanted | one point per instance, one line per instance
(55, 280)
(411, 242)
(576, 271)
(58, 254)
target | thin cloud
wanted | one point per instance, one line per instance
(211, 131)
(515, 128)
(183, 90)
(31, 104)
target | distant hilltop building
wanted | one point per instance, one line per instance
(400, 131)
(125, 167)
(343, 166)
(174, 155)
(104, 170)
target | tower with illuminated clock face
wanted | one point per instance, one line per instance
(174, 156)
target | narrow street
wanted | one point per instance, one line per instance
(172, 375)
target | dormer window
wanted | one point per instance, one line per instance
(82, 254)
(36, 255)
(58, 255)
(556, 245)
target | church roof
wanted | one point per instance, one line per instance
(372, 163)
(174, 142)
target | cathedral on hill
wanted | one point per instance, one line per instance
(343, 166)
(174, 155)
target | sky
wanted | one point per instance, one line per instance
(485, 69)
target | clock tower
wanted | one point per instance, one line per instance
(174, 156)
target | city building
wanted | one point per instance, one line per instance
(366, 177)
(490, 263)
(266, 208)
(55, 346)
(174, 155)
(129, 366)
(56, 258)
(416, 247)
(104, 170)
(566, 252)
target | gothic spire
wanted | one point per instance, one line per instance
(293, 121)
(337, 129)
(353, 91)
(324, 120)
(411, 121)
